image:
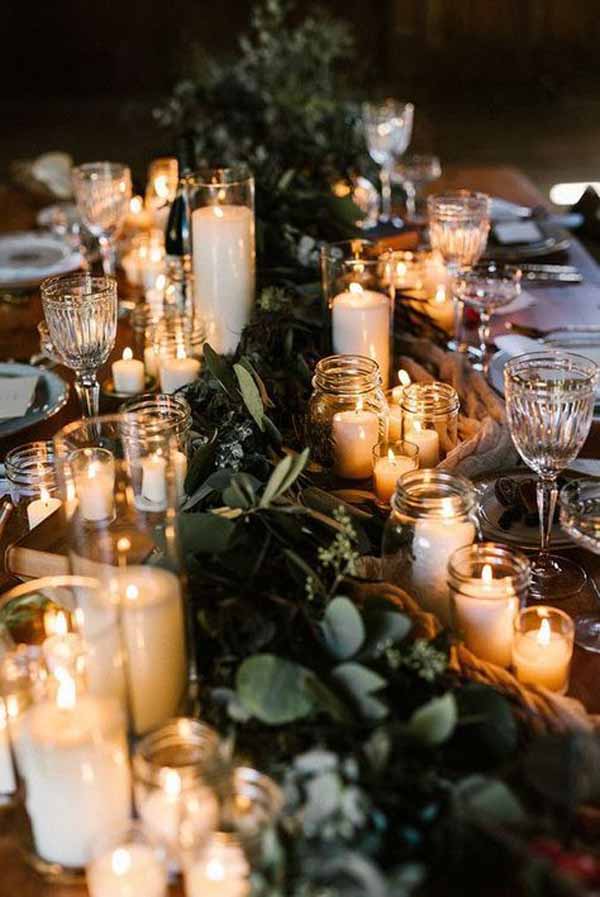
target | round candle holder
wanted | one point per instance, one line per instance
(430, 420)
(543, 647)
(488, 584)
(221, 865)
(433, 513)
(166, 413)
(346, 415)
(32, 482)
(390, 461)
(252, 806)
(127, 862)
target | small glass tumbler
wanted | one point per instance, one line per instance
(347, 414)
(127, 863)
(413, 172)
(252, 806)
(390, 461)
(169, 413)
(218, 869)
(488, 584)
(543, 647)
(433, 514)
(32, 478)
(430, 420)
(359, 301)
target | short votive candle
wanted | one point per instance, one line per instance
(93, 472)
(129, 867)
(390, 461)
(543, 647)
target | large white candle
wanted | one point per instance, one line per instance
(42, 507)
(542, 657)
(485, 610)
(361, 326)
(386, 473)
(223, 260)
(428, 442)
(128, 374)
(354, 434)
(132, 870)
(73, 755)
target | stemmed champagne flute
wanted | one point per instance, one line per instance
(102, 192)
(413, 172)
(459, 223)
(388, 129)
(81, 314)
(487, 288)
(580, 518)
(549, 405)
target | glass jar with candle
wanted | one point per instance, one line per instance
(123, 479)
(168, 412)
(219, 867)
(127, 863)
(161, 186)
(221, 201)
(488, 584)
(359, 302)
(390, 461)
(145, 260)
(251, 807)
(543, 647)
(173, 353)
(430, 420)
(32, 482)
(433, 514)
(346, 415)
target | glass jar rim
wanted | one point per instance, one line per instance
(480, 554)
(358, 250)
(433, 493)
(361, 369)
(196, 747)
(570, 497)
(459, 203)
(435, 399)
(56, 289)
(102, 168)
(544, 612)
(21, 462)
(557, 360)
(235, 174)
(166, 405)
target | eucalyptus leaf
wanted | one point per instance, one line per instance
(342, 628)
(360, 683)
(435, 721)
(490, 800)
(198, 467)
(216, 482)
(240, 492)
(220, 369)
(250, 395)
(327, 701)
(274, 689)
(205, 533)
(284, 475)
(384, 628)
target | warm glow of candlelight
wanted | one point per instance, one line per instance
(172, 783)
(544, 633)
(487, 574)
(355, 288)
(55, 622)
(132, 592)
(403, 377)
(136, 205)
(391, 455)
(161, 186)
(44, 494)
(121, 861)
(440, 294)
(127, 354)
(218, 212)
(65, 695)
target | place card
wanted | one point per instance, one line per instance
(16, 395)
(511, 232)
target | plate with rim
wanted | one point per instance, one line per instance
(28, 257)
(553, 239)
(51, 394)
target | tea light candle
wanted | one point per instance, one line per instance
(154, 479)
(386, 471)
(128, 871)
(441, 308)
(94, 483)
(485, 610)
(223, 261)
(221, 870)
(176, 817)
(41, 508)
(361, 326)
(542, 656)
(128, 374)
(427, 441)
(354, 434)
(138, 218)
(177, 372)
(73, 755)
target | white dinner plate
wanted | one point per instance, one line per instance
(27, 257)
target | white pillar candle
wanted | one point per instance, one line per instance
(128, 374)
(428, 442)
(7, 775)
(354, 434)
(386, 473)
(132, 870)
(542, 657)
(73, 755)
(361, 326)
(221, 870)
(94, 486)
(485, 610)
(41, 508)
(223, 261)
(154, 479)
(177, 372)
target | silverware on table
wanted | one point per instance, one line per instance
(537, 333)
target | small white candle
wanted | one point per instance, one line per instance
(128, 374)
(441, 309)
(485, 610)
(386, 473)
(154, 479)
(177, 817)
(177, 372)
(222, 870)
(132, 870)
(542, 657)
(428, 442)
(94, 486)
(41, 508)
(354, 434)
(361, 321)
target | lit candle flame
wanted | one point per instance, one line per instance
(92, 470)
(172, 784)
(127, 354)
(403, 377)
(121, 861)
(544, 633)
(55, 622)
(181, 353)
(359, 405)
(215, 870)
(44, 495)
(440, 294)
(65, 695)
(391, 455)
(355, 288)
(123, 545)
(132, 592)
(416, 425)
(136, 205)
(160, 282)
(447, 508)
(161, 186)
(218, 212)
(487, 574)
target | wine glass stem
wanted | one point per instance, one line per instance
(109, 256)
(88, 391)
(546, 502)
(484, 336)
(411, 198)
(459, 312)
(386, 193)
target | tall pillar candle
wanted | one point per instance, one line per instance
(361, 326)
(224, 278)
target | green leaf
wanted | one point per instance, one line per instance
(199, 467)
(325, 699)
(205, 533)
(306, 569)
(240, 492)
(245, 362)
(216, 482)
(490, 800)
(284, 475)
(435, 721)
(342, 628)
(250, 395)
(493, 736)
(360, 683)
(273, 689)
(384, 628)
(220, 369)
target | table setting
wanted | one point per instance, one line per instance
(299, 509)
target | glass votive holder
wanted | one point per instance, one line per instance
(346, 415)
(430, 420)
(93, 478)
(32, 480)
(126, 865)
(390, 461)
(252, 806)
(219, 869)
(543, 647)
(488, 584)
(145, 260)
(433, 513)
(168, 413)
(161, 187)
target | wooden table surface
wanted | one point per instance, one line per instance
(554, 307)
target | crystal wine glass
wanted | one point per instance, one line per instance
(81, 314)
(388, 129)
(580, 518)
(102, 192)
(549, 405)
(487, 288)
(413, 172)
(459, 224)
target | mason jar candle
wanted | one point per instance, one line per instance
(543, 647)
(430, 420)
(32, 481)
(390, 461)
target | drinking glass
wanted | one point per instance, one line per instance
(81, 314)
(388, 129)
(459, 224)
(413, 172)
(549, 406)
(102, 192)
(487, 288)
(580, 518)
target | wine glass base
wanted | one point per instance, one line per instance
(554, 577)
(587, 632)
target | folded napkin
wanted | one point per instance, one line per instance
(16, 395)
(503, 210)
(517, 344)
